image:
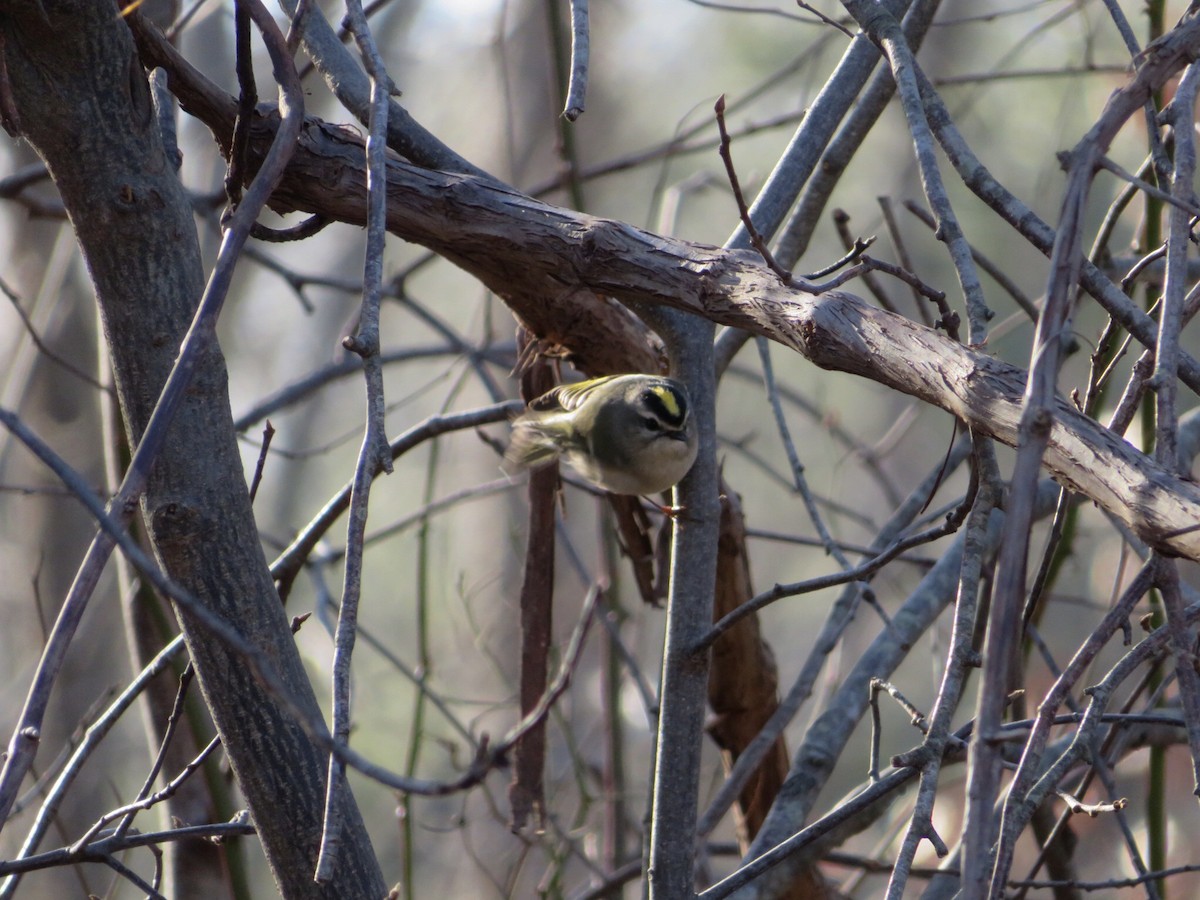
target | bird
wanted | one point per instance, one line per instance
(626, 434)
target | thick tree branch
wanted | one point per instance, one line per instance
(554, 267)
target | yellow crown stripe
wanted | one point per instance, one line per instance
(669, 400)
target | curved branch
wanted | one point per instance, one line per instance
(555, 268)
(528, 251)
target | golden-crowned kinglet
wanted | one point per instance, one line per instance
(629, 434)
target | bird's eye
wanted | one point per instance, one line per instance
(651, 423)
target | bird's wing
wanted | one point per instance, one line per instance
(567, 397)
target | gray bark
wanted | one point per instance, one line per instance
(80, 98)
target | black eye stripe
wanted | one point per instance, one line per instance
(655, 404)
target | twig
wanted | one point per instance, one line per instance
(374, 457)
(835, 151)
(869, 456)
(311, 226)
(247, 102)
(855, 248)
(841, 222)
(1128, 279)
(408, 520)
(418, 680)
(682, 144)
(37, 790)
(1039, 234)
(767, 11)
(66, 364)
(12, 185)
(756, 239)
(961, 657)
(876, 733)
(580, 46)
(562, 679)
(289, 563)
(1183, 647)
(824, 18)
(768, 534)
(890, 783)
(897, 236)
(1099, 695)
(133, 877)
(852, 574)
(917, 718)
(949, 319)
(1017, 808)
(1131, 398)
(799, 482)
(997, 273)
(268, 434)
(1078, 807)
(1110, 885)
(92, 737)
(146, 800)
(1185, 203)
(185, 680)
(304, 386)
(107, 845)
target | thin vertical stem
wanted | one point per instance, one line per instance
(374, 456)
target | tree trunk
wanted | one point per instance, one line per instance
(78, 94)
